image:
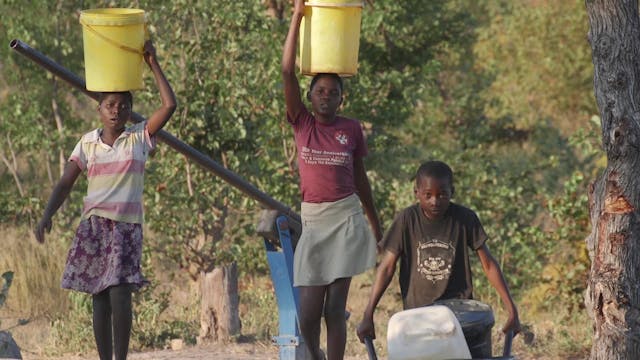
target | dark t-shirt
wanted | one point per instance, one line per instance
(434, 255)
(325, 156)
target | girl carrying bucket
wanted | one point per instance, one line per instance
(336, 242)
(104, 259)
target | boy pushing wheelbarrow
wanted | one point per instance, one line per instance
(433, 239)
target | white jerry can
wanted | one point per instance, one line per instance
(426, 333)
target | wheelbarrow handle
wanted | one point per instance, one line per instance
(508, 339)
(370, 349)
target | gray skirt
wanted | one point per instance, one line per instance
(336, 242)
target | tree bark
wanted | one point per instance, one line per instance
(219, 305)
(613, 290)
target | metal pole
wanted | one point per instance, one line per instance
(508, 339)
(371, 350)
(193, 154)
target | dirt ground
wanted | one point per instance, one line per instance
(233, 352)
(32, 335)
(246, 351)
(230, 352)
(28, 337)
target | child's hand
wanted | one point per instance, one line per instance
(513, 324)
(43, 225)
(366, 329)
(149, 54)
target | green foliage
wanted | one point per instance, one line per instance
(500, 90)
(30, 102)
(151, 328)
(257, 309)
(540, 61)
(228, 79)
(562, 230)
(567, 270)
(73, 330)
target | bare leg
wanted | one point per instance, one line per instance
(102, 324)
(334, 316)
(120, 297)
(311, 303)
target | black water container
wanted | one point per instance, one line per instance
(476, 319)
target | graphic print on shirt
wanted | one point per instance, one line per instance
(324, 157)
(342, 137)
(434, 260)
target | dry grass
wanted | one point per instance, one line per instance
(35, 294)
(37, 271)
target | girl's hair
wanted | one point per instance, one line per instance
(331, 75)
(435, 169)
(126, 94)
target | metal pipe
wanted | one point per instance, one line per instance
(508, 339)
(193, 154)
(371, 350)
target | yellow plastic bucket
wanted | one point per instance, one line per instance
(330, 37)
(113, 41)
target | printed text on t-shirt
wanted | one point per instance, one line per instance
(323, 157)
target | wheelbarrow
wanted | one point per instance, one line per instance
(506, 352)
(452, 329)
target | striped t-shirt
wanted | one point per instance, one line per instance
(115, 173)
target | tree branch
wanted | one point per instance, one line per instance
(12, 166)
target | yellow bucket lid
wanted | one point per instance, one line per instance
(112, 16)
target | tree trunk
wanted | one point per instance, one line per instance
(613, 290)
(219, 314)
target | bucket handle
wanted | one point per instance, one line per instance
(111, 41)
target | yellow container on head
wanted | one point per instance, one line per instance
(330, 37)
(113, 41)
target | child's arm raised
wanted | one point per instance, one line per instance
(494, 274)
(58, 196)
(292, 96)
(160, 117)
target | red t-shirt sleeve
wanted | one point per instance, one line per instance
(303, 119)
(361, 149)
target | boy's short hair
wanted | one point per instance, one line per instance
(127, 94)
(331, 75)
(435, 169)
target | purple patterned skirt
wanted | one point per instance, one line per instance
(104, 253)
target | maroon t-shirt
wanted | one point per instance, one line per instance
(325, 156)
